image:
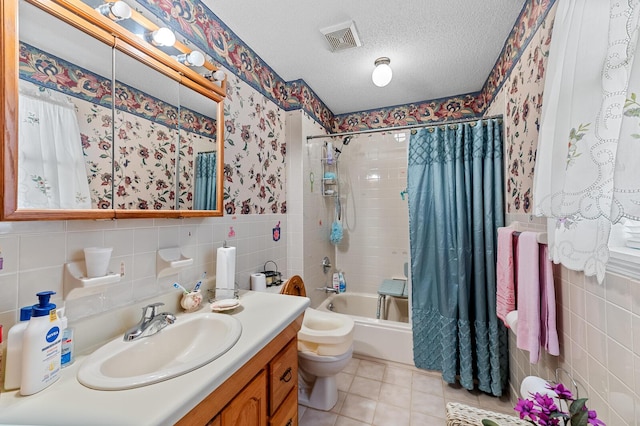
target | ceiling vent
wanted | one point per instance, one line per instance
(342, 36)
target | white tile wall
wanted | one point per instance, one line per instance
(599, 330)
(373, 169)
(34, 254)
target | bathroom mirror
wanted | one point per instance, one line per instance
(198, 185)
(137, 160)
(65, 115)
(145, 132)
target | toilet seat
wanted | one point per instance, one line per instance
(325, 333)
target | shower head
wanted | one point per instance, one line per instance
(345, 142)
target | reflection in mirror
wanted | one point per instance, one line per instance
(65, 115)
(198, 151)
(146, 136)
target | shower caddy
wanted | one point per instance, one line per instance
(330, 186)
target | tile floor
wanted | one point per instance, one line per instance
(380, 393)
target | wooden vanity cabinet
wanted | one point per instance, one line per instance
(249, 407)
(263, 392)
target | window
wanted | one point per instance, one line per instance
(624, 250)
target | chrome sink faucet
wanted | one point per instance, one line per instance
(150, 323)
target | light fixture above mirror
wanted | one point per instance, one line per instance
(116, 11)
(192, 59)
(161, 37)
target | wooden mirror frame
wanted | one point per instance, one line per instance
(84, 18)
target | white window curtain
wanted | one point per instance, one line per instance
(51, 167)
(587, 173)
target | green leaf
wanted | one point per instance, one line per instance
(580, 419)
(577, 406)
(632, 112)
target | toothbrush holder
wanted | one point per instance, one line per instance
(191, 301)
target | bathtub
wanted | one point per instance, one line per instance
(390, 339)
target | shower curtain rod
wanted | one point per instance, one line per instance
(412, 126)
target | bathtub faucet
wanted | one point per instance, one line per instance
(328, 289)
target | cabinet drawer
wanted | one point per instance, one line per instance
(287, 414)
(283, 375)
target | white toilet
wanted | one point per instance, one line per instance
(325, 346)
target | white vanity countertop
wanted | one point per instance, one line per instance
(67, 402)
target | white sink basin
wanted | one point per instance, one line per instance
(191, 342)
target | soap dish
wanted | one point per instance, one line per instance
(225, 305)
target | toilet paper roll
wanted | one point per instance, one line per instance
(512, 321)
(226, 268)
(258, 282)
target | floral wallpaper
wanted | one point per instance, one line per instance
(255, 152)
(520, 101)
(145, 131)
(95, 121)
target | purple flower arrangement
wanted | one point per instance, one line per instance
(542, 410)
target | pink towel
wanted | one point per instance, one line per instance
(528, 333)
(548, 331)
(505, 293)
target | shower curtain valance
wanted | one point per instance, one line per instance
(587, 174)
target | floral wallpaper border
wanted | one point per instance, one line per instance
(47, 70)
(529, 21)
(195, 21)
(454, 108)
(198, 23)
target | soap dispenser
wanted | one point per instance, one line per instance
(42, 345)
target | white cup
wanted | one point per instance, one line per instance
(97, 261)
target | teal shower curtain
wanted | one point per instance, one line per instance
(455, 207)
(205, 193)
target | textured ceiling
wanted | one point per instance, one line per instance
(437, 48)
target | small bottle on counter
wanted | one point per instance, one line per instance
(67, 356)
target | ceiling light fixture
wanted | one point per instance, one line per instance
(116, 11)
(161, 37)
(192, 59)
(382, 73)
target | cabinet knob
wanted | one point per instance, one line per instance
(286, 376)
(290, 422)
